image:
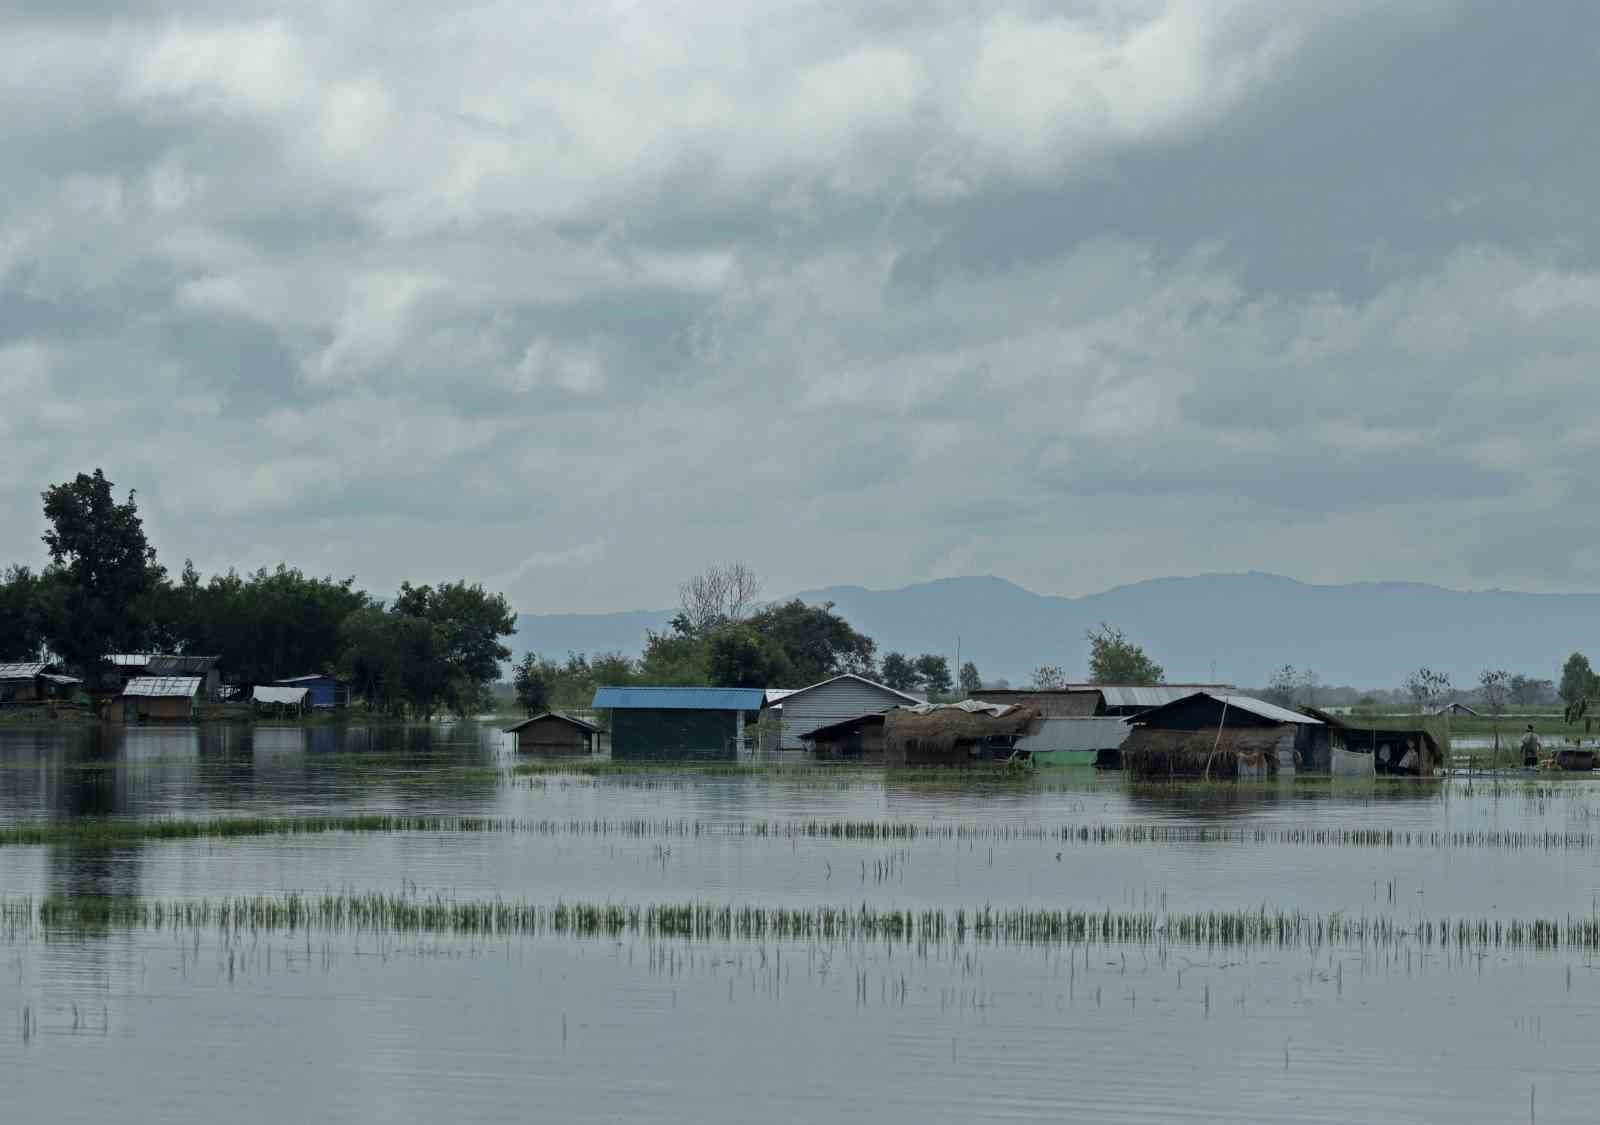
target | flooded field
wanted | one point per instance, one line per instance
(409, 924)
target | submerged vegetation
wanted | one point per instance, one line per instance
(89, 831)
(381, 913)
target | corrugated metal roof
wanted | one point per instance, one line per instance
(62, 680)
(785, 693)
(293, 696)
(304, 679)
(678, 699)
(1264, 709)
(162, 687)
(581, 724)
(1254, 706)
(23, 670)
(1101, 732)
(163, 664)
(1146, 695)
(127, 659)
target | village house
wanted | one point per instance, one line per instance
(555, 733)
(672, 723)
(161, 697)
(322, 690)
(34, 681)
(1209, 734)
(795, 713)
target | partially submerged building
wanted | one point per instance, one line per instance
(797, 712)
(35, 681)
(161, 697)
(555, 733)
(128, 666)
(278, 700)
(1350, 749)
(855, 739)
(948, 734)
(1212, 735)
(676, 723)
(1089, 741)
(322, 689)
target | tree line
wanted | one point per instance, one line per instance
(722, 635)
(428, 649)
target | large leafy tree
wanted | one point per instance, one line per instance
(740, 656)
(1579, 686)
(970, 680)
(1113, 659)
(106, 569)
(22, 615)
(265, 625)
(468, 623)
(899, 673)
(816, 642)
(934, 674)
(533, 690)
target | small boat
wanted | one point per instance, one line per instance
(1575, 760)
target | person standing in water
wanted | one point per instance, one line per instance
(1530, 748)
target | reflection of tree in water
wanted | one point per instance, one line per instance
(1231, 801)
(79, 793)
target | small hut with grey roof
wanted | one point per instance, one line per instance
(1212, 735)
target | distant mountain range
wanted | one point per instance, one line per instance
(1232, 627)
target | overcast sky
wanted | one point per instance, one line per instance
(573, 298)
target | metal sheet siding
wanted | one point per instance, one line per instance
(831, 703)
(655, 735)
(677, 699)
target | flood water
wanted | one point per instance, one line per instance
(135, 1019)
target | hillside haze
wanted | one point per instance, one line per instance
(1242, 625)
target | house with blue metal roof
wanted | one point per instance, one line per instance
(677, 723)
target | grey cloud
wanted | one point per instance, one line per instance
(583, 298)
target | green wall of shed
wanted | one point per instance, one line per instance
(655, 735)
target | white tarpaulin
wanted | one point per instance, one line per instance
(289, 696)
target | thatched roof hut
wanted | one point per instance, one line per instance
(1156, 754)
(953, 733)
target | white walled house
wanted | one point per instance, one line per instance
(843, 697)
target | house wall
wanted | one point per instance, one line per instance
(165, 707)
(831, 703)
(20, 691)
(552, 736)
(645, 734)
(866, 744)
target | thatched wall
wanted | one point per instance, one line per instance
(948, 735)
(1157, 755)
